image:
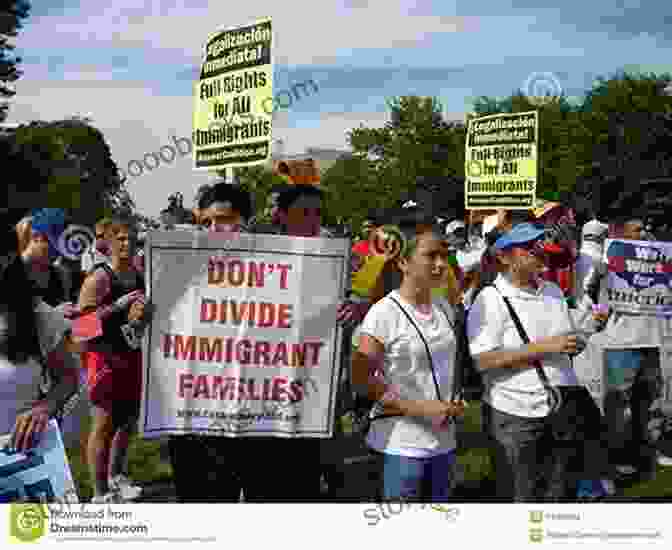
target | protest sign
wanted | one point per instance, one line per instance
(501, 161)
(243, 340)
(233, 98)
(638, 281)
(41, 473)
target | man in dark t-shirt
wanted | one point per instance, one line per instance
(114, 361)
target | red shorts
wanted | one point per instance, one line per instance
(114, 379)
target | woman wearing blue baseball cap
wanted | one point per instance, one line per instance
(522, 338)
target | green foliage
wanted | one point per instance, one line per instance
(387, 162)
(598, 149)
(72, 169)
(12, 13)
(258, 180)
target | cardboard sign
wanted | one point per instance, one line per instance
(244, 340)
(233, 98)
(501, 161)
(40, 474)
(639, 277)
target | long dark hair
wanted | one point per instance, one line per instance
(17, 299)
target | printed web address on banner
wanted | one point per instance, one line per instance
(238, 152)
(503, 201)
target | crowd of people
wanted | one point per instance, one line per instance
(441, 315)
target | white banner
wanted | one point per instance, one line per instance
(43, 472)
(244, 340)
(640, 273)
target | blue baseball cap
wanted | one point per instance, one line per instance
(520, 234)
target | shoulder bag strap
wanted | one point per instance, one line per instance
(526, 340)
(461, 347)
(429, 353)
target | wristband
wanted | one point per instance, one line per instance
(535, 348)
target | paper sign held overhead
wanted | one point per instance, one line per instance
(233, 103)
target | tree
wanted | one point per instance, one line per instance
(352, 190)
(258, 180)
(70, 168)
(559, 132)
(628, 119)
(389, 163)
(12, 12)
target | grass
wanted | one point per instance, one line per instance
(146, 466)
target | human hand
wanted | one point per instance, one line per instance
(452, 410)
(350, 312)
(136, 311)
(566, 343)
(125, 301)
(29, 426)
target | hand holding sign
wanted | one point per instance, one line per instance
(29, 427)
(42, 473)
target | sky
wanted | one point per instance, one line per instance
(130, 65)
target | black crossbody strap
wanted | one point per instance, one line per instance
(526, 340)
(377, 410)
(429, 353)
(460, 350)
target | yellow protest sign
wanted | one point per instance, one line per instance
(233, 98)
(501, 161)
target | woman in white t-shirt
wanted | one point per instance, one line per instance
(30, 331)
(516, 407)
(413, 426)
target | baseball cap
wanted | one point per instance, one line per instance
(454, 225)
(520, 234)
(593, 235)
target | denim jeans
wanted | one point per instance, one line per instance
(411, 479)
(531, 465)
(634, 382)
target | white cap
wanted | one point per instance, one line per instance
(594, 233)
(454, 226)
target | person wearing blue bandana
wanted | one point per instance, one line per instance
(52, 283)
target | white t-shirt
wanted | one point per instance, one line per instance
(92, 257)
(519, 391)
(20, 383)
(407, 367)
